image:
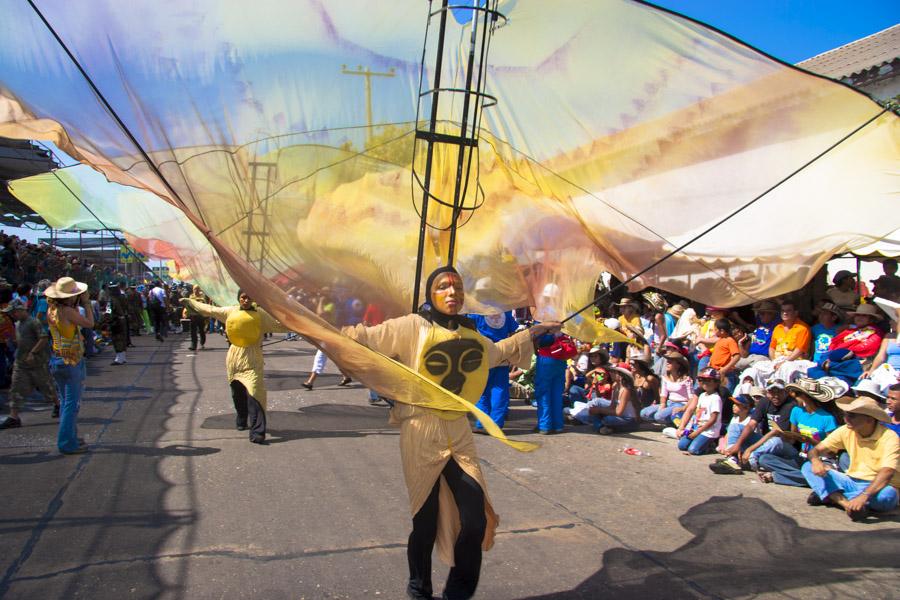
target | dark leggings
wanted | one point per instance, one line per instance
(198, 328)
(248, 409)
(463, 577)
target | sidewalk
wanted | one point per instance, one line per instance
(172, 502)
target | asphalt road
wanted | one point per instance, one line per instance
(172, 502)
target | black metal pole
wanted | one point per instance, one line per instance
(460, 155)
(429, 159)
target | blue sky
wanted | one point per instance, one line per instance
(792, 30)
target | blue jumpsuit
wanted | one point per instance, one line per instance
(549, 384)
(495, 398)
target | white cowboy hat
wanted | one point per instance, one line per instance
(65, 287)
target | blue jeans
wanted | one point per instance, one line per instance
(549, 382)
(577, 393)
(785, 471)
(616, 423)
(699, 445)
(774, 445)
(495, 399)
(835, 481)
(661, 415)
(734, 432)
(69, 383)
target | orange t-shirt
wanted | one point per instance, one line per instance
(722, 352)
(785, 341)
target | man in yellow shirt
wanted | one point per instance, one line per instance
(791, 339)
(871, 482)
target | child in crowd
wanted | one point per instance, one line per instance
(725, 354)
(698, 435)
(742, 405)
(674, 392)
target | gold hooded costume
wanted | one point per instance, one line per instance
(245, 330)
(457, 360)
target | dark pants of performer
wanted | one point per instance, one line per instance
(249, 412)
(198, 326)
(119, 331)
(158, 317)
(463, 577)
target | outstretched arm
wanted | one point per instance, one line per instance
(219, 313)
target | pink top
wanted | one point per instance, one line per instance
(676, 391)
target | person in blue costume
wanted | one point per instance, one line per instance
(495, 398)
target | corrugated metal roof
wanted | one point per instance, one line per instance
(865, 53)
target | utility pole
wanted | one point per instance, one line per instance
(368, 74)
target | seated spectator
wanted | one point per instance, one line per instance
(811, 422)
(791, 338)
(851, 348)
(706, 339)
(740, 419)
(521, 383)
(755, 346)
(888, 354)
(888, 285)
(699, 434)
(893, 406)
(871, 481)
(646, 382)
(863, 337)
(725, 354)
(770, 415)
(576, 382)
(598, 379)
(844, 292)
(674, 392)
(620, 414)
(823, 332)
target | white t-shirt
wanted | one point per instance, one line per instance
(707, 404)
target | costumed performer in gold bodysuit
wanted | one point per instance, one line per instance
(446, 487)
(245, 325)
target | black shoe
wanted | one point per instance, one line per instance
(192, 349)
(11, 423)
(308, 386)
(159, 337)
(242, 427)
(726, 467)
(55, 413)
(345, 381)
(78, 450)
(116, 363)
(260, 439)
(814, 500)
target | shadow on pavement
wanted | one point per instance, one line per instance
(742, 547)
(319, 421)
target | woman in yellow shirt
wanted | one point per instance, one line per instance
(67, 360)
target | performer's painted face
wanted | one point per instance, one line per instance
(447, 294)
(244, 301)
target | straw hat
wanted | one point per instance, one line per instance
(676, 310)
(655, 300)
(812, 388)
(679, 358)
(627, 302)
(766, 306)
(863, 405)
(65, 287)
(622, 370)
(869, 310)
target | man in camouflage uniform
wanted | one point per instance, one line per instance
(31, 367)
